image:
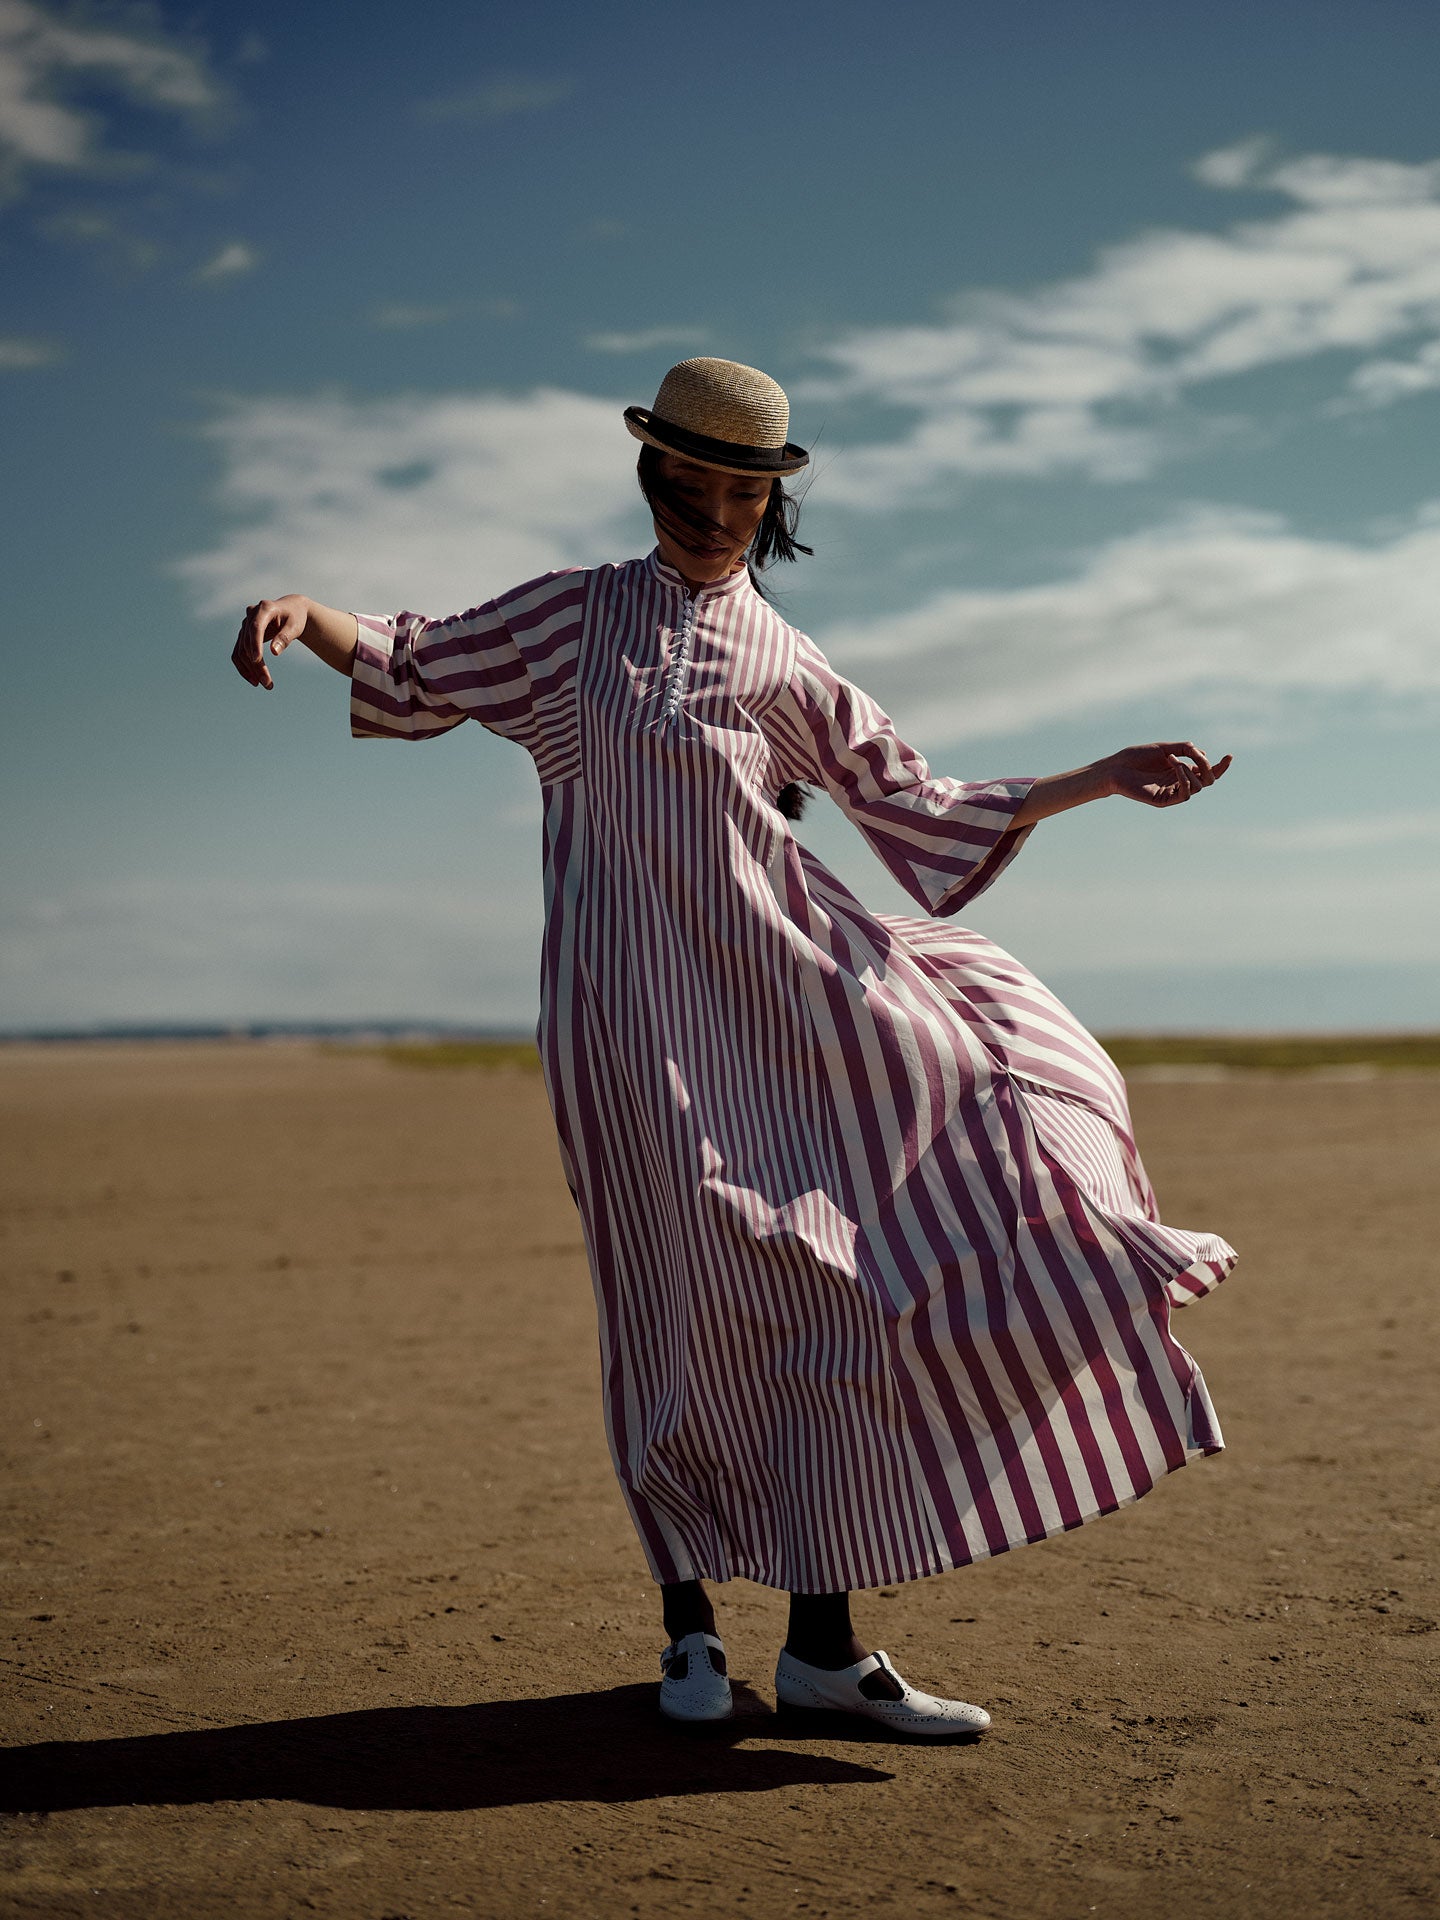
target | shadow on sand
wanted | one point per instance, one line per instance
(580, 1746)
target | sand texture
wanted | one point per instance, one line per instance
(320, 1597)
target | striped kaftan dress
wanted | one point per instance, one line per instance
(881, 1285)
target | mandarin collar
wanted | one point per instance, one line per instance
(732, 583)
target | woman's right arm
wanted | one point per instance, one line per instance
(275, 623)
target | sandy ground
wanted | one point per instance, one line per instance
(320, 1597)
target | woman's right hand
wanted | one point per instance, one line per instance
(276, 622)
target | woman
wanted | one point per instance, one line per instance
(881, 1285)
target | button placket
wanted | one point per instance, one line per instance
(681, 646)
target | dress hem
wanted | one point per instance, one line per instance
(926, 1572)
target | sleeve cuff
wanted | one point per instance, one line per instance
(1005, 798)
(370, 676)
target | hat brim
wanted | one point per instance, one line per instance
(725, 456)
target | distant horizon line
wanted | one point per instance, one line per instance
(268, 1030)
(389, 1031)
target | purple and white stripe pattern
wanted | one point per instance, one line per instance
(881, 1285)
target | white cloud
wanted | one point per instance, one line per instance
(1321, 179)
(499, 99)
(1350, 833)
(1380, 383)
(439, 501)
(433, 501)
(42, 54)
(401, 314)
(229, 263)
(172, 951)
(1161, 909)
(18, 353)
(113, 239)
(646, 340)
(1084, 374)
(1118, 886)
(1230, 606)
(1234, 166)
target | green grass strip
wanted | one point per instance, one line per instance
(1258, 1053)
(1277, 1053)
(486, 1055)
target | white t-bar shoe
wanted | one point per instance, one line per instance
(694, 1686)
(921, 1715)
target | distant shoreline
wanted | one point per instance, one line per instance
(239, 1032)
(1142, 1055)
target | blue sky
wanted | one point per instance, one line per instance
(1116, 330)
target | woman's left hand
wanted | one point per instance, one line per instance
(1163, 774)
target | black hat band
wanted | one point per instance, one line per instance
(701, 447)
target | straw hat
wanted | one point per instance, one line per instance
(720, 414)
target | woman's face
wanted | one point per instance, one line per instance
(734, 504)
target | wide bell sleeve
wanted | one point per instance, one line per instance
(944, 840)
(414, 678)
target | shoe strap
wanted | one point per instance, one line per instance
(861, 1670)
(710, 1639)
(883, 1660)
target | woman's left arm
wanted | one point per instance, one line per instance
(1161, 775)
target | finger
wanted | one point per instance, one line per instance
(251, 668)
(248, 657)
(1221, 766)
(1187, 750)
(1183, 779)
(265, 623)
(243, 659)
(273, 624)
(288, 628)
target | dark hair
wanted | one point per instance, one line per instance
(774, 540)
